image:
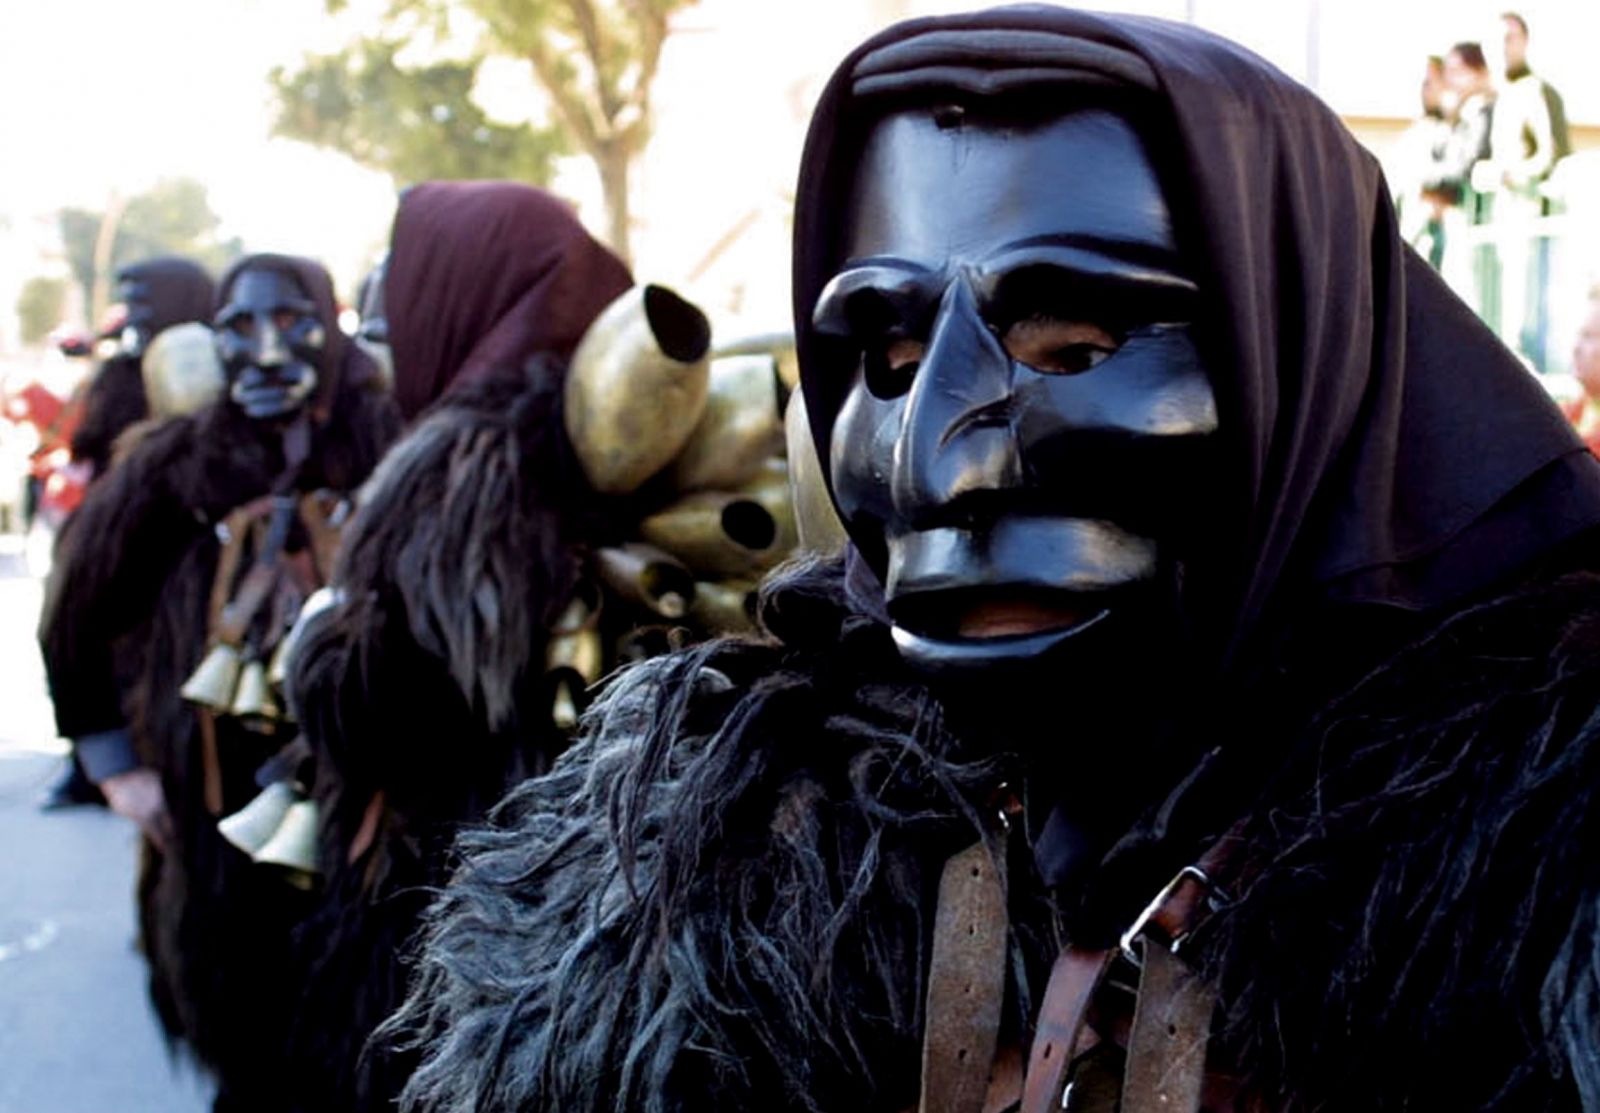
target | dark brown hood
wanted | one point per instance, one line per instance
(483, 274)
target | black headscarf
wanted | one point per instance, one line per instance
(178, 290)
(1381, 446)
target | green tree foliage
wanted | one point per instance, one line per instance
(595, 59)
(172, 217)
(40, 307)
(412, 124)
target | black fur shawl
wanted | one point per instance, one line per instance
(721, 898)
(419, 684)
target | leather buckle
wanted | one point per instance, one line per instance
(1153, 912)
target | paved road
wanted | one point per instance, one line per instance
(76, 1033)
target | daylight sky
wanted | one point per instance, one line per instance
(97, 95)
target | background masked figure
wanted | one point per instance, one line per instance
(471, 611)
(158, 294)
(201, 540)
(1192, 522)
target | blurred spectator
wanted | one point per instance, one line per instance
(1422, 146)
(1530, 132)
(1584, 412)
(1468, 102)
(1529, 136)
(1470, 268)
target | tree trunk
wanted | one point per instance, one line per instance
(104, 251)
(613, 160)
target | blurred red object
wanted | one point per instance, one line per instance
(37, 406)
(64, 485)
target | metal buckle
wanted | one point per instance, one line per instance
(1143, 921)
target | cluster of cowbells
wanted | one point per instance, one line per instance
(653, 408)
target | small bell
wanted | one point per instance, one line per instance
(252, 826)
(215, 681)
(294, 844)
(253, 699)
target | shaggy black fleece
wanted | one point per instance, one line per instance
(721, 898)
(128, 594)
(424, 684)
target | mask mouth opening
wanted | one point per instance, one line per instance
(992, 614)
(273, 391)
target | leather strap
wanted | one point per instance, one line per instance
(1166, 1064)
(235, 529)
(210, 762)
(1063, 1025)
(367, 833)
(322, 513)
(966, 984)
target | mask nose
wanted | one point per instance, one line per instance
(956, 436)
(271, 348)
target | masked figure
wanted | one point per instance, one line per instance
(195, 550)
(472, 604)
(1201, 714)
(157, 293)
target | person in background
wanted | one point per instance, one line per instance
(1584, 411)
(158, 293)
(1474, 274)
(198, 544)
(1529, 136)
(1421, 209)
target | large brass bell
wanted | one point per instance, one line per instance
(647, 577)
(816, 521)
(644, 642)
(278, 667)
(637, 387)
(574, 657)
(215, 681)
(739, 430)
(294, 844)
(769, 488)
(723, 608)
(252, 826)
(575, 642)
(252, 700)
(182, 371)
(715, 533)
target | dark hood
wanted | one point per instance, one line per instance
(180, 290)
(483, 274)
(1380, 445)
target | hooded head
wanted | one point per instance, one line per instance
(277, 326)
(159, 293)
(482, 274)
(1106, 329)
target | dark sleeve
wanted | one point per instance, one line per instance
(115, 400)
(111, 560)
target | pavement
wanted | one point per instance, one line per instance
(77, 1034)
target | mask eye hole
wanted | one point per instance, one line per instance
(890, 366)
(243, 325)
(284, 319)
(1054, 346)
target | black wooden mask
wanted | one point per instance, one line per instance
(1021, 446)
(271, 341)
